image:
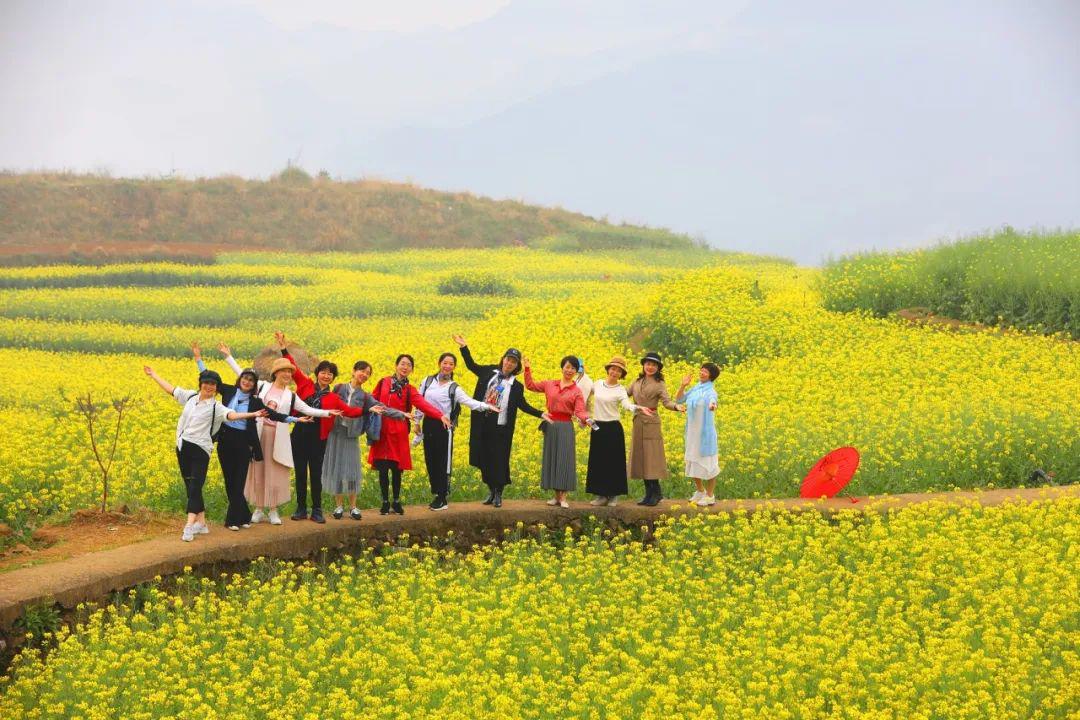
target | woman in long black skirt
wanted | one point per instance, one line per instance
(606, 475)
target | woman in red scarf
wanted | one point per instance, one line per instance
(390, 454)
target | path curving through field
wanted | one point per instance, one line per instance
(93, 576)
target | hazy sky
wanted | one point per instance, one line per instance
(803, 129)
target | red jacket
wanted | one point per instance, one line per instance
(305, 388)
(393, 442)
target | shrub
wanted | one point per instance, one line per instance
(475, 285)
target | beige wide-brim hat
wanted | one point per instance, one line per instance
(619, 362)
(280, 364)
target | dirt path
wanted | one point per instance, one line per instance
(92, 576)
(88, 531)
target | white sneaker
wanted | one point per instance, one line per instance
(696, 496)
(552, 502)
(258, 516)
(599, 500)
(246, 525)
(706, 501)
(234, 528)
(201, 529)
(188, 534)
(612, 501)
(275, 519)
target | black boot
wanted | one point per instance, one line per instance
(648, 494)
(396, 507)
(385, 509)
(490, 497)
(496, 499)
(653, 496)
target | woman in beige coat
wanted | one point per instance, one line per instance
(647, 460)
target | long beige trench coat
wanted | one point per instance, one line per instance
(647, 460)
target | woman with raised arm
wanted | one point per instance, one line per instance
(702, 458)
(199, 423)
(647, 460)
(238, 442)
(444, 393)
(390, 453)
(267, 485)
(606, 474)
(309, 442)
(491, 435)
(558, 469)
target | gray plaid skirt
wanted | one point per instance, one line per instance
(558, 470)
(342, 469)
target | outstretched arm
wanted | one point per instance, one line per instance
(229, 359)
(463, 398)
(474, 367)
(533, 384)
(232, 415)
(629, 406)
(425, 407)
(331, 401)
(666, 400)
(681, 393)
(163, 384)
(274, 414)
(306, 409)
(196, 352)
(524, 406)
(305, 386)
(579, 409)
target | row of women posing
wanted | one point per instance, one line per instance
(257, 452)
(608, 469)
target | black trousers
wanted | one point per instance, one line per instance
(194, 462)
(308, 451)
(234, 456)
(388, 468)
(437, 456)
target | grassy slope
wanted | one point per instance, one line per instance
(292, 211)
(1029, 281)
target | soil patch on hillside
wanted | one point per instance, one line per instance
(89, 531)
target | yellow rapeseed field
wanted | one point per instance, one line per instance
(928, 409)
(928, 612)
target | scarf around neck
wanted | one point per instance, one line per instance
(700, 395)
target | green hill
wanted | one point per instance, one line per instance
(69, 217)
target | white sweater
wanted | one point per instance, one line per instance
(607, 399)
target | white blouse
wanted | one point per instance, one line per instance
(439, 395)
(607, 399)
(196, 418)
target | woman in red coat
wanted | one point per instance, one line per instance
(390, 453)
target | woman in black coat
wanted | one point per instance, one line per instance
(492, 434)
(238, 442)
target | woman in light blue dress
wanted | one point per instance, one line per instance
(702, 457)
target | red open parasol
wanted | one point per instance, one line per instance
(830, 474)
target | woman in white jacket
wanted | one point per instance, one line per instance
(267, 484)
